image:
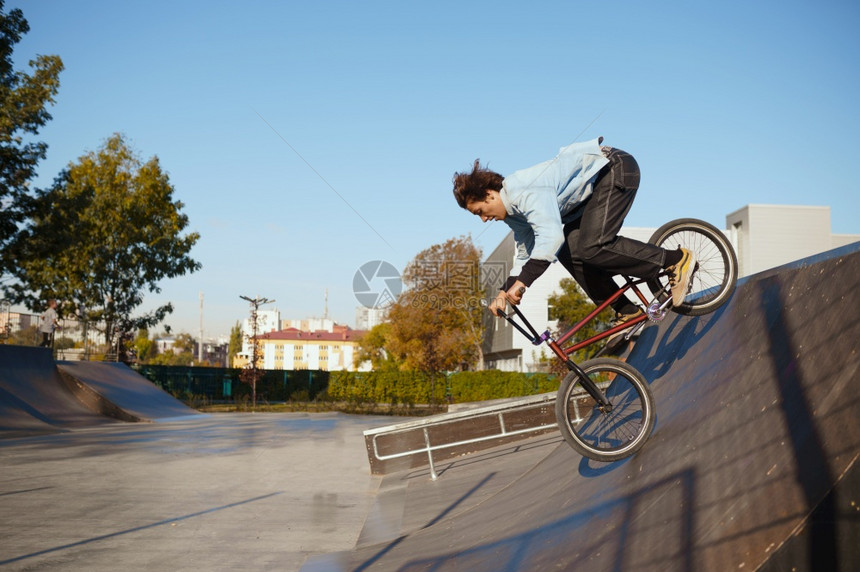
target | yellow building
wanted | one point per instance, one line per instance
(292, 349)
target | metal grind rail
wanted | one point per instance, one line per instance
(424, 425)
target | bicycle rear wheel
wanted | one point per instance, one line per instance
(598, 433)
(717, 275)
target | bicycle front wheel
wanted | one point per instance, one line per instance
(599, 432)
(717, 274)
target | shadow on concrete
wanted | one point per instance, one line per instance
(135, 529)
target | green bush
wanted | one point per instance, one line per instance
(394, 387)
(401, 389)
(468, 386)
(410, 388)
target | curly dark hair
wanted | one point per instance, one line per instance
(474, 186)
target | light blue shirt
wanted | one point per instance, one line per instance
(539, 198)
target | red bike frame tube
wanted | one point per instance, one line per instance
(623, 290)
(606, 334)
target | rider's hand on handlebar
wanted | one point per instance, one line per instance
(514, 296)
(498, 304)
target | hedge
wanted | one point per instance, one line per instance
(468, 386)
(375, 387)
(406, 387)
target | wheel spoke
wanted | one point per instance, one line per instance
(715, 277)
(606, 434)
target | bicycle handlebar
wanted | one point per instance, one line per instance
(535, 338)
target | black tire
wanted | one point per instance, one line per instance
(717, 275)
(599, 435)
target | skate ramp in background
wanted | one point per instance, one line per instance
(35, 398)
(127, 390)
(37, 395)
(752, 464)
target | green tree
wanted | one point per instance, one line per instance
(184, 343)
(569, 306)
(26, 337)
(63, 342)
(235, 344)
(144, 347)
(436, 323)
(24, 99)
(106, 232)
(181, 353)
(171, 358)
(371, 347)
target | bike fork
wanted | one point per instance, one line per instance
(590, 387)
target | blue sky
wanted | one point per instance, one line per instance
(279, 121)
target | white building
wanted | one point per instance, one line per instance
(764, 236)
(166, 344)
(309, 325)
(366, 318)
(267, 321)
(293, 349)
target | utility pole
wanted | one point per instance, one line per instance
(251, 374)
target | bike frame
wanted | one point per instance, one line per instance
(563, 353)
(537, 340)
(655, 311)
(630, 285)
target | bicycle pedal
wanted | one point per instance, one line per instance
(657, 311)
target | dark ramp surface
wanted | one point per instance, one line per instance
(34, 398)
(127, 389)
(752, 465)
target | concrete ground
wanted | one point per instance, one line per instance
(220, 492)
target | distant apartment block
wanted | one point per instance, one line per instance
(267, 321)
(292, 344)
(292, 349)
(310, 325)
(214, 352)
(366, 318)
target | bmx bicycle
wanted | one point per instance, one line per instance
(604, 407)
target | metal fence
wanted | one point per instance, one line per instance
(223, 384)
(468, 430)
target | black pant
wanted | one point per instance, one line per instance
(593, 252)
(47, 338)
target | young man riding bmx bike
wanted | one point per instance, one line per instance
(571, 208)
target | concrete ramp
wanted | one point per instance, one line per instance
(18, 418)
(752, 464)
(129, 391)
(35, 398)
(39, 396)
